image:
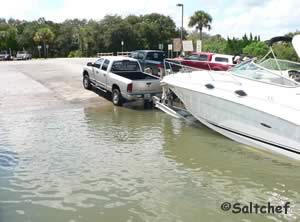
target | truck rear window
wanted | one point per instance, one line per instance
(221, 59)
(125, 66)
(199, 57)
(156, 56)
(203, 57)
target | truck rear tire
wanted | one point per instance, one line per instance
(117, 98)
(86, 82)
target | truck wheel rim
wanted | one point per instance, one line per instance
(116, 98)
(86, 82)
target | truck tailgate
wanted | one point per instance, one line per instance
(146, 86)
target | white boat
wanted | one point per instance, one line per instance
(250, 104)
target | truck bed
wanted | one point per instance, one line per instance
(134, 75)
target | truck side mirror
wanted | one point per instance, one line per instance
(89, 64)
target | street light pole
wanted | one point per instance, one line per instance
(122, 44)
(39, 48)
(44, 43)
(47, 48)
(181, 33)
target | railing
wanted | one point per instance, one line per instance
(105, 54)
(126, 54)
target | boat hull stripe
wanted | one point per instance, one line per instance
(253, 138)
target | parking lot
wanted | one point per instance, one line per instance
(28, 85)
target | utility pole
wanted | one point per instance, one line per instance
(39, 48)
(47, 47)
(122, 44)
(181, 33)
(44, 44)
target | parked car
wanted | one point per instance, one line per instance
(23, 55)
(150, 60)
(123, 78)
(207, 61)
(5, 56)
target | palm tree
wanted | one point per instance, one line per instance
(201, 20)
(45, 36)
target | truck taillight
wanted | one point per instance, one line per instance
(158, 66)
(129, 87)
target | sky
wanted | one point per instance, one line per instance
(267, 18)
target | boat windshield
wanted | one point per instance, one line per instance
(283, 64)
(251, 70)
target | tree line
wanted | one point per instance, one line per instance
(76, 38)
(250, 46)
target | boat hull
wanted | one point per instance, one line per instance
(241, 123)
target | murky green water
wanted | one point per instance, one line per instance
(69, 163)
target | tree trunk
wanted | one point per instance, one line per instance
(44, 43)
(200, 33)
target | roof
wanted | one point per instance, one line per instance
(148, 50)
(117, 58)
(205, 53)
(213, 54)
(223, 55)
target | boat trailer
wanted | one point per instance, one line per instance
(166, 104)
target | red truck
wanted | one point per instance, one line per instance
(207, 61)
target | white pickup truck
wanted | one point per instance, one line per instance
(123, 78)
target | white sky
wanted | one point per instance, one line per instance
(230, 17)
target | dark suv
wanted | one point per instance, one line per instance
(150, 60)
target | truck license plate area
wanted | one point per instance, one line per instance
(147, 96)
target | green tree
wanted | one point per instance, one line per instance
(25, 34)
(256, 49)
(235, 46)
(8, 35)
(3, 39)
(67, 37)
(156, 29)
(44, 36)
(215, 44)
(107, 26)
(201, 20)
(79, 37)
(11, 41)
(285, 51)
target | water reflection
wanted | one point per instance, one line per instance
(8, 159)
(224, 170)
(118, 164)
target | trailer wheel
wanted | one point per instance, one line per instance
(117, 98)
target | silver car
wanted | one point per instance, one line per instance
(23, 55)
